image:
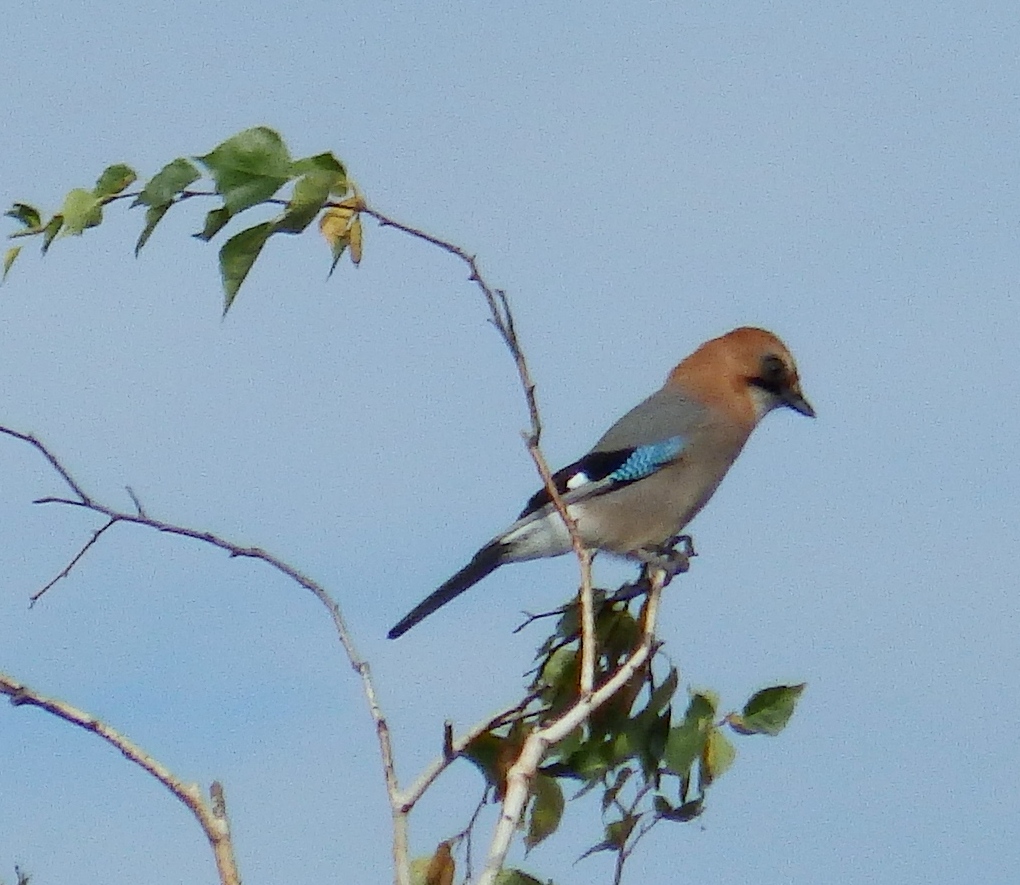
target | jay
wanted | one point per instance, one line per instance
(654, 469)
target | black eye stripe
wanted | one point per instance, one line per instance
(773, 374)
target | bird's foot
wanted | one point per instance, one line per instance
(684, 542)
(673, 558)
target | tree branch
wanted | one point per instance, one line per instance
(66, 570)
(139, 517)
(212, 817)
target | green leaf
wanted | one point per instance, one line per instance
(617, 834)
(516, 877)
(683, 746)
(113, 180)
(238, 255)
(769, 710)
(215, 221)
(654, 746)
(686, 741)
(617, 632)
(310, 193)
(249, 167)
(82, 209)
(51, 230)
(642, 738)
(613, 790)
(557, 682)
(717, 756)
(27, 215)
(619, 831)
(703, 705)
(614, 723)
(164, 187)
(159, 194)
(9, 256)
(483, 752)
(322, 163)
(587, 762)
(153, 216)
(686, 812)
(663, 693)
(568, 746)
(546, 810)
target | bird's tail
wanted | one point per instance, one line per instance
(485, 561)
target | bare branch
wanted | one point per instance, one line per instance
(134, 498)
(502, 318)
(357, 663)
(212, 818)
(54, 463)
(66, 570)
(466, 835)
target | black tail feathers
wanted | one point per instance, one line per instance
(485, 561)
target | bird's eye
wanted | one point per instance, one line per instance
(773, 371)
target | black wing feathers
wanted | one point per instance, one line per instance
(595, 466)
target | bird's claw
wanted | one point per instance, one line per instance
(673, 558)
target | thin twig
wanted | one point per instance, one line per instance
(54, 463)
(212, 817)
(465, 835)
(624, 851)
(66, 570)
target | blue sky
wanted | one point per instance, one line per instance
(638, 178)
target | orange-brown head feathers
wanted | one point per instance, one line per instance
(745, 373)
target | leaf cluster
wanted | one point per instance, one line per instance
(652, 752)
(247, 170)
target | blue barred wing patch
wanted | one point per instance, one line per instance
(645, 460)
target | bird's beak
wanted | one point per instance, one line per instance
(794, 399)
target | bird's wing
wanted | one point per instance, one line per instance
(665, 414)
(646, 439)
(600, 472)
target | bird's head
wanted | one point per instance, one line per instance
(747, 372)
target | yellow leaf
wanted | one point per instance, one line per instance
(334, 223)
(717, 756)
(355, 202)
(355, 235)
(12, 254)
(441, 867)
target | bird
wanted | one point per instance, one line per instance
(654, 469)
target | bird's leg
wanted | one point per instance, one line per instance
(673, 557)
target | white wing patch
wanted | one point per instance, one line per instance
(578, 480)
